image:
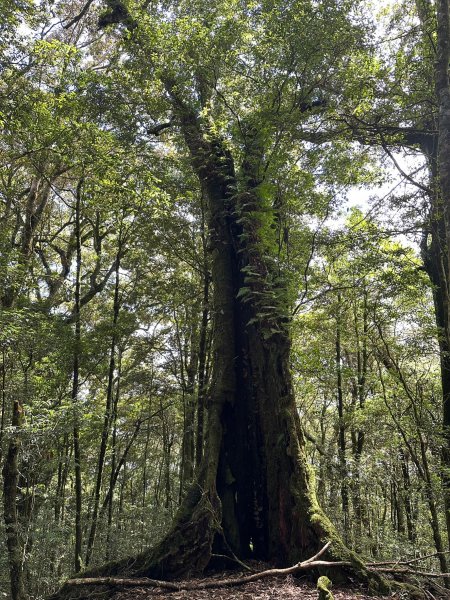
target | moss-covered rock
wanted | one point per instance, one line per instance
(323, 585)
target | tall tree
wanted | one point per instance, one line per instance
(265, 506)
(436, 256)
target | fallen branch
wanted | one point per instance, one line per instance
(233, 559)
(406, 571)
(401, 568)
(406, 561)
(310, 563)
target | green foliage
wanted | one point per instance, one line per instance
(288, 93)
(372, 292)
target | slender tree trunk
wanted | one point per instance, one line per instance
(4, 400)
(107, 416)
(341, 427)
(358, 434)
(3, 407)
(75, 387)
(410, 520)
(399, 505)
(123, 485)
(323, 463)
(144, 467)
(167, 440)
(10, 491)
(189, 371)
(63, 471)
(443, 97)
(202, 355)
(59, 501)
(421, 462)
(432, 504)
(108, 501)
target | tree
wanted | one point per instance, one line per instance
(47, 164)
(265, 506)
(165, 191)
(436, 255)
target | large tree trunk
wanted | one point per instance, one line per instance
(443, 208)
(254, 494)
(435, 252)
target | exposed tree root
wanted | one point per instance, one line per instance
(185, 550)
(310, 563)
(314, 562)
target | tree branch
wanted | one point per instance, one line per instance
(156, 129)
(79, 16)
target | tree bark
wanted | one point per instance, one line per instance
(10, 491)
(264, 506)
(107, 415)
(75, 386)
(443, 160)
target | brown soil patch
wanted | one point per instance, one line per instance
(288, 588)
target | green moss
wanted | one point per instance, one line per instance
(408, 590)
(323, 585)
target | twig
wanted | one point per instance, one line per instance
(233, 559)
(403, 173)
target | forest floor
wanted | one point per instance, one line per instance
(286, 588)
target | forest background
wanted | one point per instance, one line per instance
(107, 319)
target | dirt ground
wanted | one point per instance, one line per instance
(287, 588)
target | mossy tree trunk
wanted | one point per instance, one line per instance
(443, 160)
(254, 493)
(254, 459)
(437, 236)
